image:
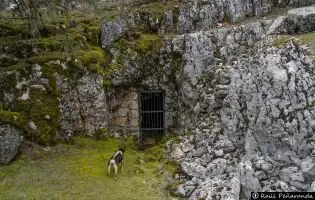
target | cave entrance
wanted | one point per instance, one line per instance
(152, 117)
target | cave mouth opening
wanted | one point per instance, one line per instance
(152, 117)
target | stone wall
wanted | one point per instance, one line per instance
(124, 112)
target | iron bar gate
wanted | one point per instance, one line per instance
(152, 117)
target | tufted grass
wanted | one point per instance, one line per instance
(309, 39)
(79, 172)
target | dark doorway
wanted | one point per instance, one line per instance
(152, 122)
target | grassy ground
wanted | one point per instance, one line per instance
(79, 172)
(309, 39)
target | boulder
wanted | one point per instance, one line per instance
(308, 168)
(299, 20)
(248, 181)
(10, 141)
(113, 30)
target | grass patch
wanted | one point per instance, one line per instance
(157, 8)
(79, 172)
(280, 41)
(308, 39)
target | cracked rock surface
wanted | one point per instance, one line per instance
(253, 111)
(10, 141)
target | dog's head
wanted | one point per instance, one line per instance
(122, 149)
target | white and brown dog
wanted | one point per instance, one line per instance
(115, 160)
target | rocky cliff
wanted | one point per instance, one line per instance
(241, 96)
(249, 104)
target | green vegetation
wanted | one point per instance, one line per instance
(70, 46)
(102, 134)
(42, 108)
(157, 9)
(280, 41)
(177, 62)
(13, 118)
(308, 39)
(79, 171)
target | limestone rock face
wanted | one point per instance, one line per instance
(203, 79)
(10, 141)
(83, 105)
(299, 20)
(204, 15)
(293, 3)
(250, 108)
(208, 14)
(112, 31)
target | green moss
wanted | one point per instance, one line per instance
(46, 57)
(147, 42)
(79, 37)
(155, 154)
(16, 67)
(96, 60)
(91, 57)
(7, 61)
(173, 167)
(55, 43)
(173, 187)
(92, 33)
(280, 41)
(13, 118)
(177, 62)
(107, 84)
(145, 46)
(13, 27)
(226, 19)
(158, 9)
(43, 109)
(144, 43)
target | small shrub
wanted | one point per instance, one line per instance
(102, 134)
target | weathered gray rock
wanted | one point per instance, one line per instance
(283, 186)
(293, 3)
(308, 168)
(10, 141)
(297, 177)
(299, 20)
(286, 172)
(112, 31)
(261, 175)
(206, 14)
(263, 111)
(248, 181)
(177, 152)
(225, 144)
(216, 187)
(193, 169)
(300, 185)
(83, 105)
(312, 187)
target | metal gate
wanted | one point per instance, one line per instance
(152, 119)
